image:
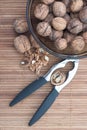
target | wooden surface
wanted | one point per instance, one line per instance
(69, 112)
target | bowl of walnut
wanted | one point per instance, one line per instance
(60, 27)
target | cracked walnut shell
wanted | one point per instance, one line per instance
(58, 78)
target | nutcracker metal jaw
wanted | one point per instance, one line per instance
(62, 65)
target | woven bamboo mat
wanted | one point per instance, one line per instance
(69, 112)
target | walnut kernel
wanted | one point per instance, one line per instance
(58, 78)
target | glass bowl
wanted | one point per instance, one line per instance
(45, 43)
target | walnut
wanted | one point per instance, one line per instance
(35, 59)
(83, 15)
(84, 27)
(85, 2)
(22, 44)
(50, 8)
(74, 15)
(48, 1)
(68, 36)
(20, 25)
(43, 29)
(85, 37)
(75, 26)
(76, 5)
(33, 42)
(66, 2)
(59, 23)
(78, 44)
(59, 9)
(41, 11)
(58, 78)
(67, 17)
(61, 44)
(49, 18)
(55, 35)
(45, 60)
(38, 66)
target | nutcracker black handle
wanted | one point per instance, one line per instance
(29, 90)
(44, 106)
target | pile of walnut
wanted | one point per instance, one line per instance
(63, 22)
(34, 56)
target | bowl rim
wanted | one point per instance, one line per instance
(59, 55)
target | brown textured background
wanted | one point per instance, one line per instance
(69, 112)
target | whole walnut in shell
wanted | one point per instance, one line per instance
(48, 1)
(61, 44)
(49, 18)
(76, 5)
(67, 17)
(20, 25)
(83, 15)
(43, 29)
(59, 23)
(55, 35)
(75, 26)
(41, 11)
(85, 27)
(68, 36)
(59, 9)
(33, 42)
(78, 44)
(22, 44)
(85, 37)
(66, 2)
